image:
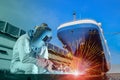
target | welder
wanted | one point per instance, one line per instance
(30, 53)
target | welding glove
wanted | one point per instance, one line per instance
(46, 64)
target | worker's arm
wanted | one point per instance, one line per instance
(43, 52)
(24, 52)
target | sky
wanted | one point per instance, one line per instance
(25, 14)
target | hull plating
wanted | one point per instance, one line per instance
(86, 42)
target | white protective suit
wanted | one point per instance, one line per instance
(22, 61)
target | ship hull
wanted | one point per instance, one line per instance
(86, 42)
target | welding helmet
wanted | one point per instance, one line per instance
(40, 35)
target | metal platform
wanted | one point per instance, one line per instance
(111, 76)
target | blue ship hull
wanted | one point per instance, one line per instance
(85, 40)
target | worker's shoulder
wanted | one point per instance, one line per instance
(21, 40)
(23, 37)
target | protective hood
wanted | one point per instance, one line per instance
(40, 36)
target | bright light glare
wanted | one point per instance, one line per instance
(76, 73)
